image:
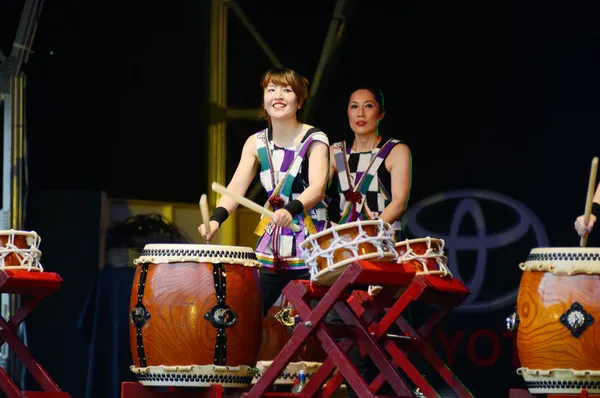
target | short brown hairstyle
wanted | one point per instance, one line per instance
(284, 77)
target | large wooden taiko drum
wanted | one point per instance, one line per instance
(558, 309)
(196, 315)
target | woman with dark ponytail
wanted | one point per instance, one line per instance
(373, 171)
(373, 182)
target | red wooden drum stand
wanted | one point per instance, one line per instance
(360, 327)
(36, 286)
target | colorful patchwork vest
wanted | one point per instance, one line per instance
(362, 194)
(281, 174)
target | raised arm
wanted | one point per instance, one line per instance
(241, 180)
(398, 162)
(243, 176)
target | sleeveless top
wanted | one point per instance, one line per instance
(284, 175)
(364, 184)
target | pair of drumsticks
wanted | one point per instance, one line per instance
(240, 200)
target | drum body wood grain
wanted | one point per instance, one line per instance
(558, 309)
(195, 315)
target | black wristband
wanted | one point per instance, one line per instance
(219, 215)
(595, 209)
(295, 207)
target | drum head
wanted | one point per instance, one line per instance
(180, 252)
(563, 260)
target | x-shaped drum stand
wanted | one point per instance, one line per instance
(36, 286)
(366, 321)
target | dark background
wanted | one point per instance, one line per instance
(494, 95)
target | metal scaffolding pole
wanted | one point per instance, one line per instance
(12, 95)
(217, 99)
(334, 37)
(14, 153)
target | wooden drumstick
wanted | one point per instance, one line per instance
(590, 197)
(249, 204)
(204, 212)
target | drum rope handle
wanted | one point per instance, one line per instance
(27, 257)
(429, 253)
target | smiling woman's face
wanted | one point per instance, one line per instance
(280, 101)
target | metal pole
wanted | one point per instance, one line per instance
(252, 30)
(12, 83)
(13, 192)
(17, 152)
(217, 99)
(334, 35)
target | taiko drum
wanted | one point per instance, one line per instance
(329, 252)
(195, 315)
(424, 255)
(558, 309)
(19, 250)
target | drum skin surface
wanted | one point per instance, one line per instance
(543, 342)
(178, 296)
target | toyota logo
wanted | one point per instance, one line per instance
(469, 203)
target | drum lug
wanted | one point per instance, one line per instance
(512, 322)
(221, 316)
(286, 318)
(139, 315)
(576, 319)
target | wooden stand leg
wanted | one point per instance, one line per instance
(34, 287)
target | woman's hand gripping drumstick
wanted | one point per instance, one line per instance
(209, 227)
(589, 201)
(250, 204)
(205, 218)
